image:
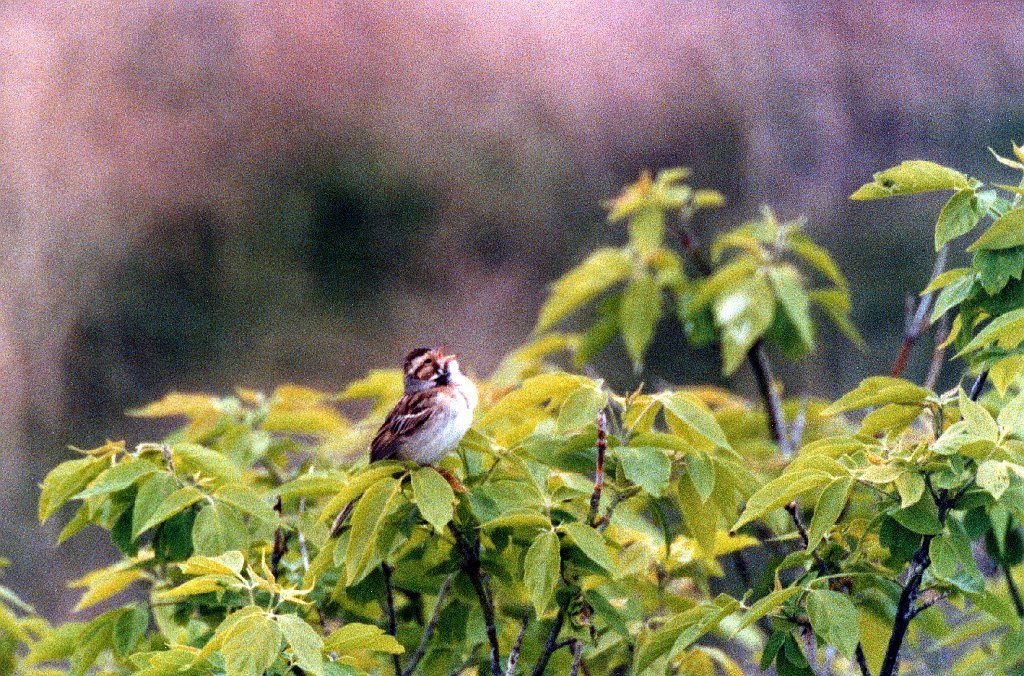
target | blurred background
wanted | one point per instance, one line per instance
(200, 195)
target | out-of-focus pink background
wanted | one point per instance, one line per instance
(197, 195)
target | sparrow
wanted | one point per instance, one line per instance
(432, 416)
(430, 419)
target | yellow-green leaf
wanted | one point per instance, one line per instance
(371, 535)
(600, 271)
(434, 497)
(830, 505)
(542, 570)
(591, 543)
(960, 214)
(65, 480)
(912, 176)
(1005, 232)
(695, 415)
(352, 637)
(639, 312)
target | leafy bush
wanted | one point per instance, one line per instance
(599, 531)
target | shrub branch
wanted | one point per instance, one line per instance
(470, 564)
(428, 631)
(918, 318)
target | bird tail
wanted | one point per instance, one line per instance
(340, 520)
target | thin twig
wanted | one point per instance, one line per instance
(918, 322)
(470, 565)
(794, 512)
(862, 661)
(549, 644)
(796, 431)
(927, 604)
(602, 447)
(577, 657)
(621, 496)
(1014, 592)
(905, 610)
(938, 354)
(389, 607)
(428, 631)
(513, 657)
(302, 539)
(280, 546)
(770, 395)
(979, 385)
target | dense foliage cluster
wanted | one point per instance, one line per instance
(596, 527)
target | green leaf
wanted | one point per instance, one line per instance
(911, 487)
(591, 543)
(765, 605)
(646, 466)
(996, 268)
(960, 214)
(743, 312)
(542, 570)
(118, 478)
(228, 563)
(251, 645)
(65, 480)
(304, 641)
(878, 390)
(834, 618)
(781, 492)
(104, 583)
(353, 637)
(246, 500)
(1007, 331)
(639, 312)
(211, 464)
(357, 485)
(95, 638)
(434, 497)
(681, 631)
(793, 299)
(912, 176)
(581, 408)
(607, 612)
(943, 555)
(994, 477)
(978, 421)
(548, 388)
(701, 470)
(601, 270)
(525, 519)
(890, 418)
(818, 257)
(955, 293)
(129, 628)
(647, 229)
(696, 416)
(921, 517)
(826, 512)
(218, 528)
(151, 494)
(1005, 232)
(174, 503)
(372, 531)
(1011, 415)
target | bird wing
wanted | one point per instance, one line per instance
(408, 415)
